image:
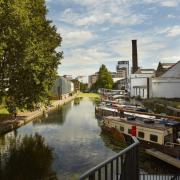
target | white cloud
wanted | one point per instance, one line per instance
(171, 16)
(75, 37)
(88, 56)
(171, 59)
(84, 61)
(164, 3)
(105, 11)
(173, 31)
(169, 3)
(94, 19)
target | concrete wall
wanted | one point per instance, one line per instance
(140, 80)
(168, 84)
(62, 88)
(166, 87)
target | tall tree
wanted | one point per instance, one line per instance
(28, 52)
(104, 79)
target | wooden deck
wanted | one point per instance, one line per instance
(164, 157)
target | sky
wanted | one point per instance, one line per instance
(97, 32)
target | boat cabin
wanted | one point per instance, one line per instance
(147, 130)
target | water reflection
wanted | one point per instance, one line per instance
(111, 142)
(58, 117)
(77, 100)
(27, 158)
(76, 139)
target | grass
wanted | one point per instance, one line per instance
(166, 102)
(3, 110)
(91, 95)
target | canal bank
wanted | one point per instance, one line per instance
(25, 117)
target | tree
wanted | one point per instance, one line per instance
(28, 52)
(83, 87)
(104, 79)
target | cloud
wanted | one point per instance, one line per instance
(173, 31)
(163, 3)
(75, 37)
(86, 57)
(169, 3)
(171, 16)
(100, 12)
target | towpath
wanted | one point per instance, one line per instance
(25, 117)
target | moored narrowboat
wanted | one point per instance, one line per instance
(162, 135)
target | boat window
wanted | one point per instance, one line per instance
(129, 131)
(153, 137)
(121, 128)
(168, 138)
(140, 134)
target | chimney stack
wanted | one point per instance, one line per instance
(134, 56)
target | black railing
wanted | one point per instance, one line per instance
(122, 166)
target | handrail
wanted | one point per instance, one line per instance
(85, 175)
(171, 143)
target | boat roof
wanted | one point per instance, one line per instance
(164, 121)
(138, 122)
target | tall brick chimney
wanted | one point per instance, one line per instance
(134, 57)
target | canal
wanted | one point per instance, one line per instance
(72, 142)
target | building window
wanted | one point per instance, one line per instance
(141, 134)
(153, 137)
(143, 92)
(129, 131)
(121, 128)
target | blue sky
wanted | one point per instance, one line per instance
(99, 32)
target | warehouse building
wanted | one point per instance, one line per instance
(167, 85)
(62, 88)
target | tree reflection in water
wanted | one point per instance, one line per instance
(77, 100)
(29, 158)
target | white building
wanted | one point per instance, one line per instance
(140, 83)
(168, 84)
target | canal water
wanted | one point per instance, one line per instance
(73, 143)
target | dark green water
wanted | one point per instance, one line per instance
(75, 139)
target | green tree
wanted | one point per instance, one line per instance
(83, 87)
(104, 79)
(28, 52)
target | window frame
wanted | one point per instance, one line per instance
(155, 136)
(140, 136)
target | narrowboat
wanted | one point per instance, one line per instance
(160, 134)
(166, 132)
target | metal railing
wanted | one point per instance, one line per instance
(123, 165)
